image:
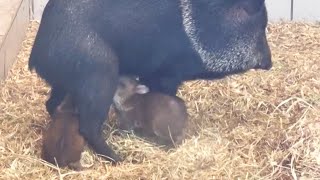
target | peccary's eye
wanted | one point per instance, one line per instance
(121, 85)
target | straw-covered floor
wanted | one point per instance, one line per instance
(260, 125)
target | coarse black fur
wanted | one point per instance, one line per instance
(83, 45)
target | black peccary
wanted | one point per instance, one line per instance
(62, 140)
(150, 113)
(83, 46)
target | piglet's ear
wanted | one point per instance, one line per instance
(241, 10)
(141, 89)
(251, 7)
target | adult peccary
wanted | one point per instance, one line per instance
(82, 46)
(150, 113)
(62, 142)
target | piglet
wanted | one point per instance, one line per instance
(150, 113)
(62, 140)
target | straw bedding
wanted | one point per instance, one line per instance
(260, 125)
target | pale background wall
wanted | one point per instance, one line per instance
(279, 9)
(307, 10)
(37, 7)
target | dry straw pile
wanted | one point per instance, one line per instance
(261, 125)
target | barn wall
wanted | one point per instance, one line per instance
(14, 20)
(279, 9)
(306, 10)
(37, 8)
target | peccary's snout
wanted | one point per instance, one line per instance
(265, 62)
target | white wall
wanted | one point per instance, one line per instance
(308, 10)
(279, 9)
(37, 7)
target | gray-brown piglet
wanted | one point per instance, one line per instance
(150, 113)
(62, 140)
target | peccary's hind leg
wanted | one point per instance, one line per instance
(56, 97)
(93, 101)
(95, 85)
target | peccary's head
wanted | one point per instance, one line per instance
(228, 35)
(127, 87)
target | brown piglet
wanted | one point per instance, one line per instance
(150, 113)
(62, 140)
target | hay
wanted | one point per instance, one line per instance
(261, 125)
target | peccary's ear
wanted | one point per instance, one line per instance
(251, 7)
(141, 89)
(241, 10)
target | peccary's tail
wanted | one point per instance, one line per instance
(31, 63)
